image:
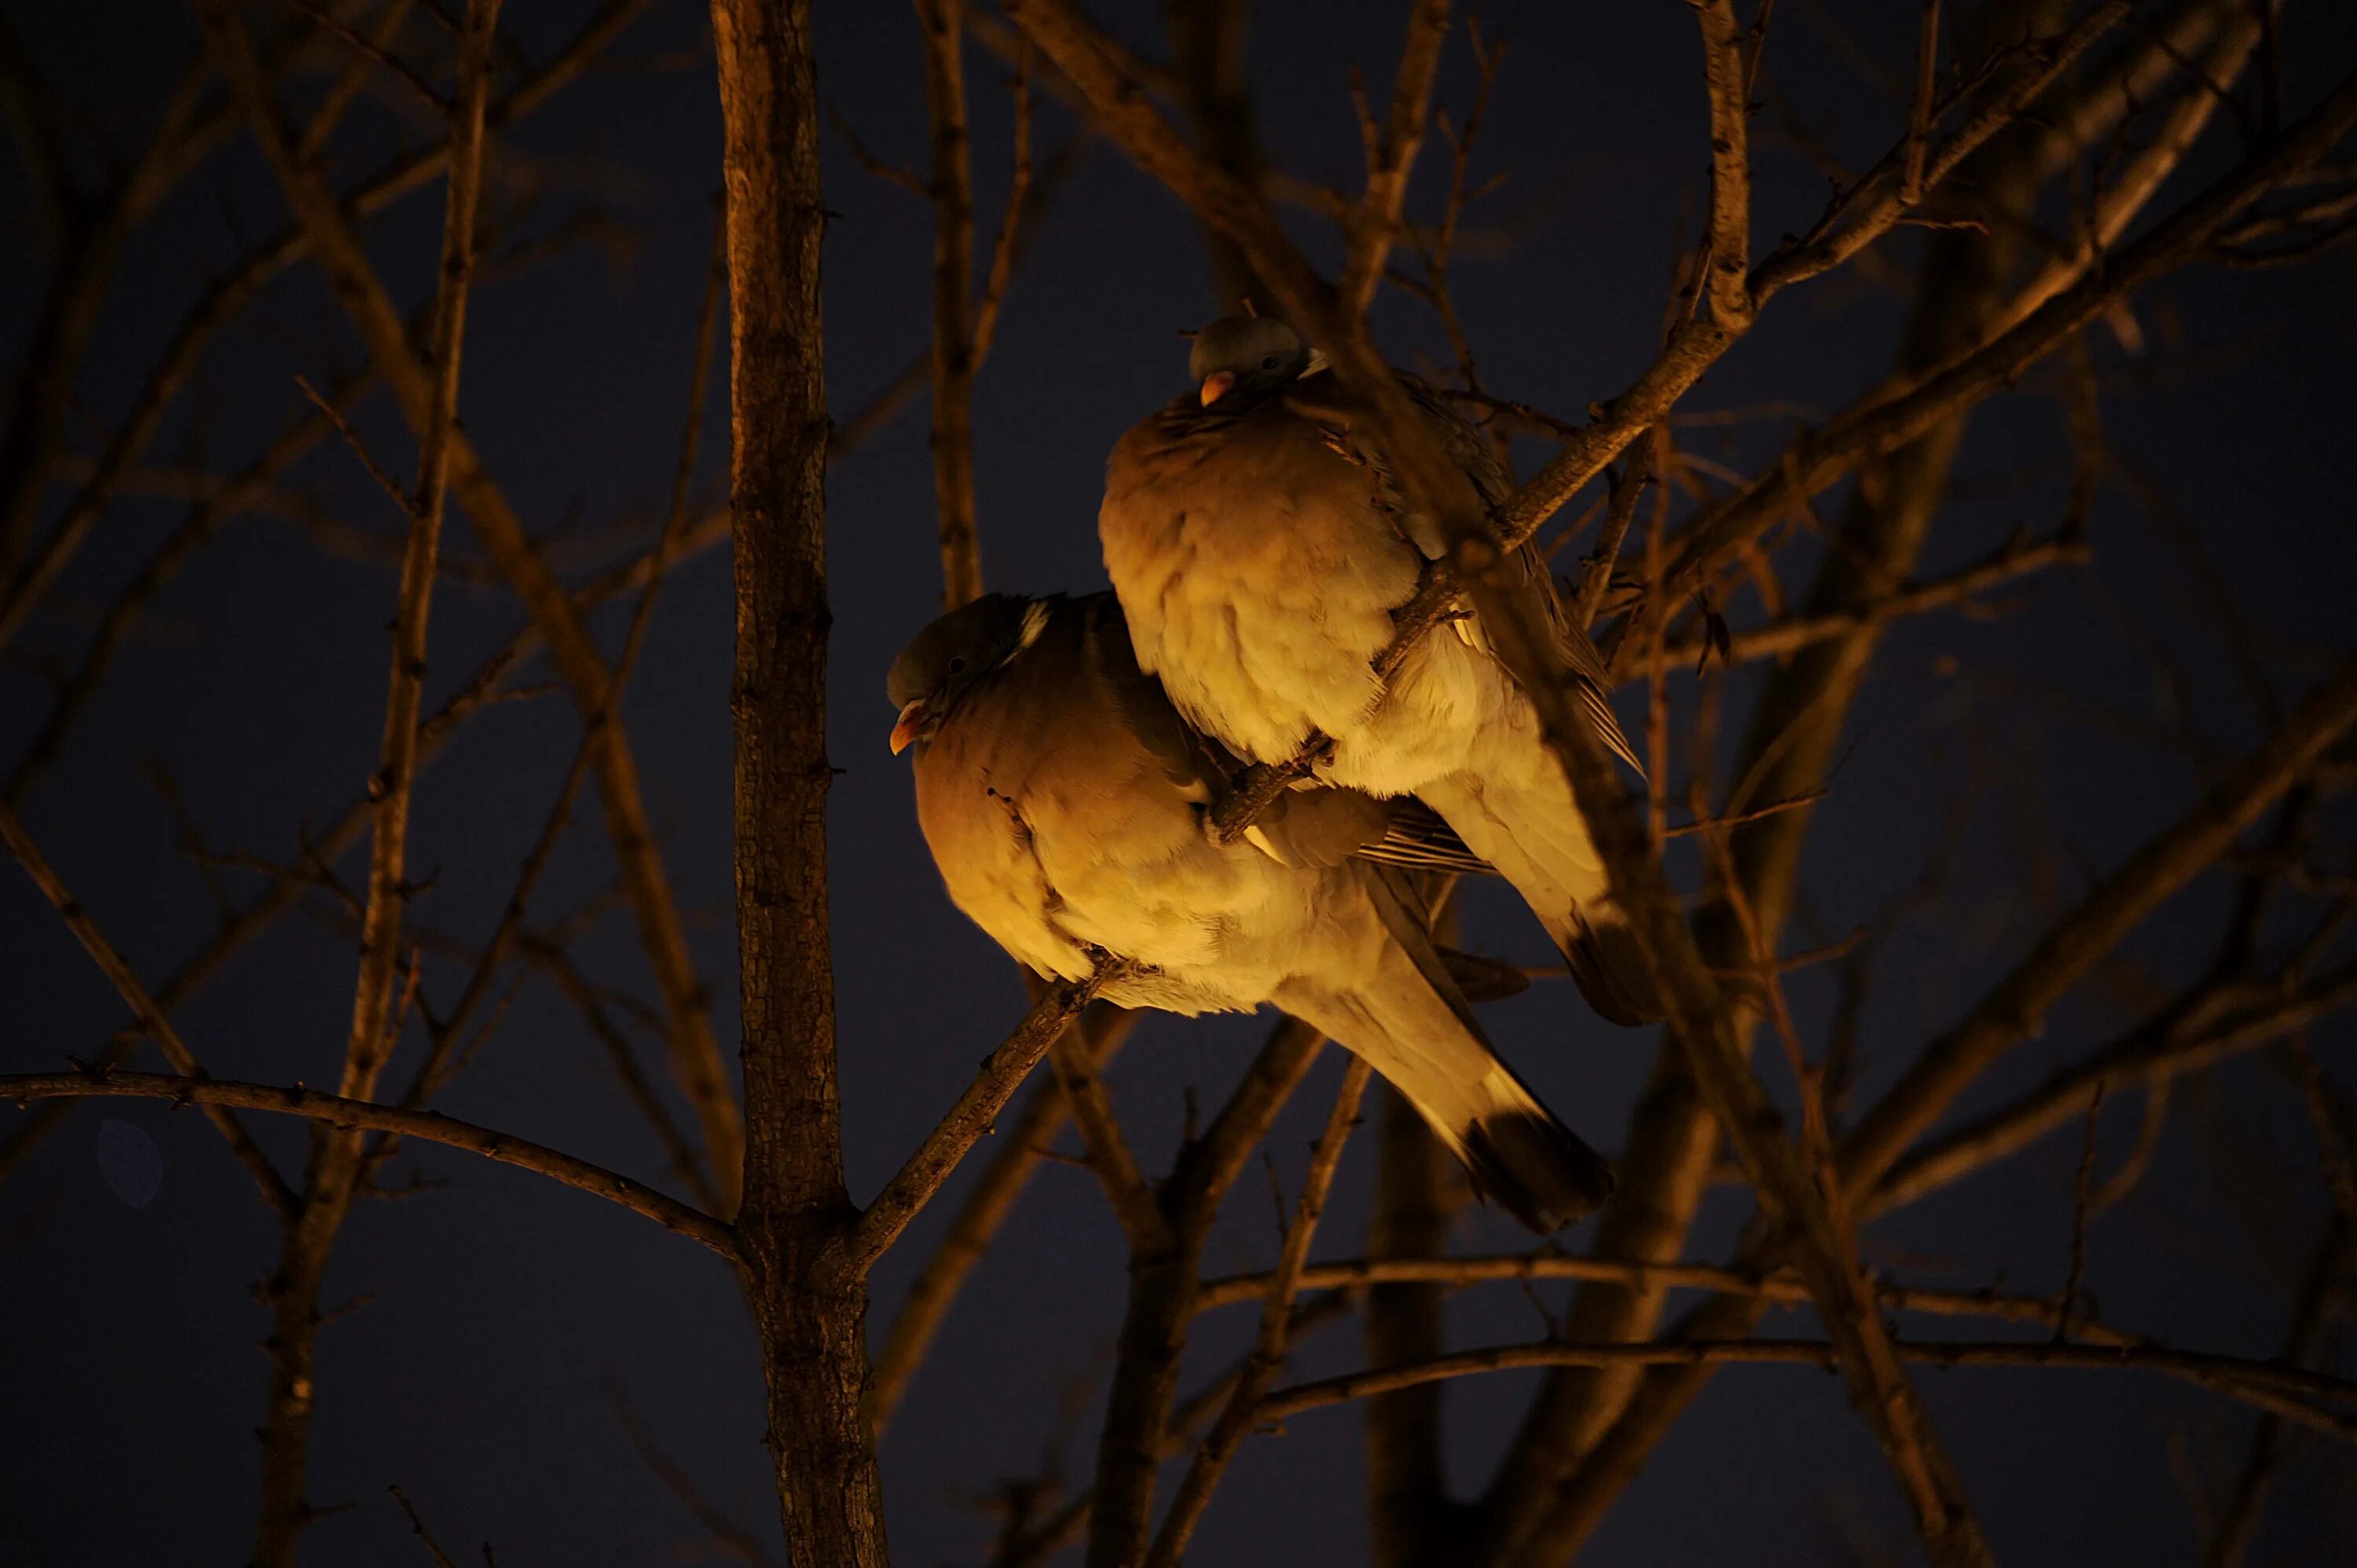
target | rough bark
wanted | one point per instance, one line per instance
(809, 1303)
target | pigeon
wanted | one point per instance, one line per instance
(1261, 546)
(1068, 807)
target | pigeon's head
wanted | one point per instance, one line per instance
(941, 664)
(1245, 354)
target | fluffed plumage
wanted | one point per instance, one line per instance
(1066, 806)
(1261, 545)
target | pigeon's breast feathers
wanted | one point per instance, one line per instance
(1257, 572)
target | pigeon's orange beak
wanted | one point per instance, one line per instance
(1216, 385)
(912, 720)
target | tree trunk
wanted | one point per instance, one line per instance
(810, 1302)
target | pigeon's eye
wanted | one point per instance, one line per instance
(1269, 363)
(957, 666)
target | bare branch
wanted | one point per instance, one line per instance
(1162, 1284)
(338, 1163)
(371, 1042)
(1717, 1057)
(695, 1055)
(941, 22)
(1459, 1273)
(441, 1558)
(1889, 418)
(347, 86)
(2187, 1040)
(668, 540)
(1960, 587)
(2132, 187)
(2012, 1010)
(725, 1532)
(1374, 223)
(1108, 1154)
(1597, 576)
(1730, 164)
(1694, 347)
(2312, 1392)
(806, 1277)
(1267, 1359)
(1918, 120)
(152, 1018)
(367, 1115)
(403, 73)
(1013, 223)
(485, 688)
(230, 294)
(1405, 1321)
(975, 1112)
(1102, 1027)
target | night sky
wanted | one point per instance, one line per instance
(499, 1306)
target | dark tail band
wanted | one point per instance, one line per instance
(1536, 1168)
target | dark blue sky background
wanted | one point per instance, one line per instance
(497, 1303)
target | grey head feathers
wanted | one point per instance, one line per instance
(942, 663)
(1245, 355)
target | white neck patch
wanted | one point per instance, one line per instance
(1035, 621)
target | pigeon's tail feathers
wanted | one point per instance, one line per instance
(1607, 965)
(1518, 1155)
(1408, 1022)
(1534, 1167)
(1512, 807)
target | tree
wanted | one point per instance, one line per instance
(2065, 161)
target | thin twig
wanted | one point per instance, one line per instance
(1236, 1421)
(975, 1112)
(232, 290)
(1104, 1029)
(940, 23)
(1106, 1150)
(1954, 589)
(376, 470)
(367, 1115)
(1375, 220)
(1896, 413)
(2116, 905)
(1012, 223)
(725, 1532)
(1162, 1282)
(441, 1558)
(403, 73)
(2316, 1393)
(1597, 575)
(326, 226)
(1918, 120)
(2069, 1304)
(153, 1019)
